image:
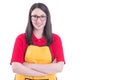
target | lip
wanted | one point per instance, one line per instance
(38, 25)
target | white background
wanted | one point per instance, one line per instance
(89, 29)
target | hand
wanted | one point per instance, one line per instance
(27, 64)
(54, 61)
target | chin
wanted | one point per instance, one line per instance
(38, 28)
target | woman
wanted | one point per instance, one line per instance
(38, 53)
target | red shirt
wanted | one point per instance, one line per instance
(20, 47)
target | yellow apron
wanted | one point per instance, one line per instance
(37, 55)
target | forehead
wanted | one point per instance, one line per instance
(37, 11)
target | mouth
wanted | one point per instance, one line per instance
(38, 25)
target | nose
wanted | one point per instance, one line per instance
(38, 20)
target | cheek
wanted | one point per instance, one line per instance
(44, 22)
(33, 23)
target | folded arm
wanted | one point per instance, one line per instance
(22, 69)
(51, 68)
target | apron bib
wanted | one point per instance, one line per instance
(37, 55)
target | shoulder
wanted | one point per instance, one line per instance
(21, 37)
(55, 36)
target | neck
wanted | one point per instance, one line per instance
(38, 33)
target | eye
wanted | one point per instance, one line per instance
(42, 16)
(35, 16)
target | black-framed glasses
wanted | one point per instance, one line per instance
(35, 17)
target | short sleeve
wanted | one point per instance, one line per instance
(18, 50)
(57, 48)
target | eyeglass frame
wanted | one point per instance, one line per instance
(42, 17)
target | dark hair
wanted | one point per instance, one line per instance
(48, 26)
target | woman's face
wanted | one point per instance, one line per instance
(38, 18)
